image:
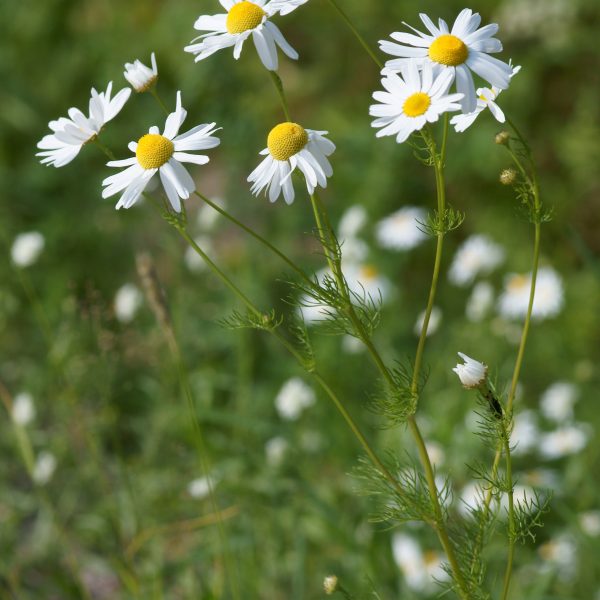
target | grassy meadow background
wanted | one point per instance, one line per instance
(117, 519)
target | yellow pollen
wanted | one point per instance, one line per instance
(154, 150)
(243, 16)
(368, 272)
(286, 139)
(448, 50)
(416, 104)
(518, 282)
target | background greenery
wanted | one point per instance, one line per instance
(116, 520)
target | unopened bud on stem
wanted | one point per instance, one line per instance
(502, 138)
(472, 373)
(330, 584)
(508, 176)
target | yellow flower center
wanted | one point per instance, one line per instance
(518, 282)
(154, 150)
(368, 272)
(448, 50)
(243, 16)
(286, 139)
(416, 104)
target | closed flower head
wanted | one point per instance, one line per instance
(471, 373)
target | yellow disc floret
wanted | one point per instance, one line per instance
(286, 139)
(448, 50)
(416, 104)
(243, 16)
(154, 150)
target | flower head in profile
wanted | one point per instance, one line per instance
(460, 51)
(478, 254)
(403, 229)
(163, 154)
(242, 20)
(412, 100)
(141, 77)
(486, 98)
(70, 135)
(290, 146)
(471, 373)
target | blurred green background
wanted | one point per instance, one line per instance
(116, 518)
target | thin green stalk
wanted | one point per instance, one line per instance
(279, 87)
(288, 261)
(511, 518)
(105, 149)
(353, 29)
(154, 93)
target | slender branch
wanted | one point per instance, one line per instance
(511, 516)
(358, 36)
(154, 92)
(279, 87)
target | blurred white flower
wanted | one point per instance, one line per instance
(525, 434)
(207, 216)
(200, 488)
(590, 523)
(330, 584)
(542, 478)
(44, 468)
(352, 221)
(352, 345)
(477, 255)
(27, 248)
(421, 570)
(564, 441)
(23, 409)
(436, 453)
(472, 497)
(558, 400)
(480, 302)
(70, 135)
(402, 230)
(354, 251)
(549, 298)
(522, 495)
(275, 450)
(128, 299)
(435, 318)
(293, 398)
(560, 554)
(141, 77)
(471, 373)
(193, 261)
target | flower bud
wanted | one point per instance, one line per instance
(502, 138)
(472, 373)
(330, 584)
(508, 176)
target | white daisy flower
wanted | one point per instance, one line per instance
(480, 302)
(44, 468)
(472, 497)
(403, 229)
(486, 98)
(471, 373)
(435, 318)
(549, 296)
(163, 154)
(412, 100)
(141, 77)
(70, 135)
(570, 439)
(560, 554)
(458, 51)
(558, 400)
(244, 19)
(525, 434)
(352, 221)
(290, 146)
(590, 523)
(200, 488)
(23, 409)
(293, 398)
(478, 254)
(27, 248)
(275, 450)
(128, 299)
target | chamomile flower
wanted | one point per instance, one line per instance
(486, 98)
(141, 77)
(549, 295)
(458, 51)
(290, 146)
(163, 154)
(471, 373)
(70, 135)
(403, 229)
(412, 100)
(242, 20)
(478, 254)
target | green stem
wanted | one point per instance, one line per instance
(359, 37)
(511, 516)
(279, 87)
(154, 93)
(288, 261)
(105, 149)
